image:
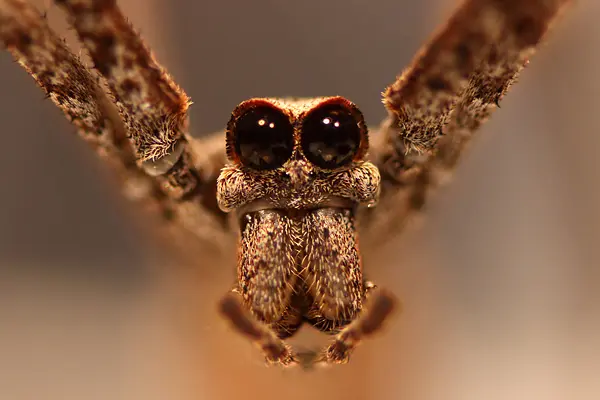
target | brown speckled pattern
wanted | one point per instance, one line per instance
(299, 259)
(153, 107)
(438, 103)
(298, 255)
(268, 262)
(297, 184)
(238, 186)
(480, 33)
(300, 265)
(331, 267)
(184, 198)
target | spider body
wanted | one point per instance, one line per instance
(298, 257)
(297, 174)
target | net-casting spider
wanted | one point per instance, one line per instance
(299, 174)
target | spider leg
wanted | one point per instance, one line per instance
(152, 106)
(72, 87)
(154, 109)
(276, 350)
(449, 90)
(380, 305)
(139, 126)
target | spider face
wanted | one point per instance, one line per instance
(297, 155)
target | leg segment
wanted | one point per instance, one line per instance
(480, 33)
(153, 107)
(260, 307)
(276, 350)
(73, 88)
(267, 266)
(442, 98)
(184, 193)
(331, 267)
(379, 307)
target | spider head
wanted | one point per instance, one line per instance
(291, 153)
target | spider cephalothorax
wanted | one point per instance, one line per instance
(297, 174)
(296, 155)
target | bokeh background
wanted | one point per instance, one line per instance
(500, 287)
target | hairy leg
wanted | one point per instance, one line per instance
(276, 350)
(331, 267)
(442, 98)
(126, 126)
(371, 319)
(267, 264)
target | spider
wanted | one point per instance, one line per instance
(299, 175)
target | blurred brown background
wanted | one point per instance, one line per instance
(501, 288)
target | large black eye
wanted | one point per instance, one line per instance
(330, 136)
(264, 138)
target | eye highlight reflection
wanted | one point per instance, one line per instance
(263, 138)
(331, 136)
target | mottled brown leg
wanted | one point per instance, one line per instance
(276, 350)
(25, 33)
(371, 319)
(439, 102)
(153, 107)
(184, 194)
